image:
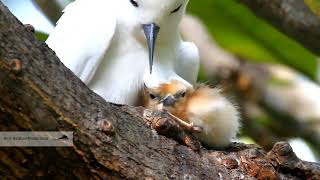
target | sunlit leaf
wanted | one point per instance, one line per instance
(314, 5)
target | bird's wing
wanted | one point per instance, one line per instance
(187, 64)
(82, 36)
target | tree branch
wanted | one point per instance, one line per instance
(292, 17)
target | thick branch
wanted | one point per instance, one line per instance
(110, 141)
(292, 17)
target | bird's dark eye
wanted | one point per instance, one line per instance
(152, 96)
(134, 3)
(180, 94)
(176, 10)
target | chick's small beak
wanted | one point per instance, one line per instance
(151, 32)
(168, 101)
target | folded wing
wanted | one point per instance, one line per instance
(83, 35)
(187, 64)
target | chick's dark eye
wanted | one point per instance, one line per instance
(134, 3)
(180, 94)
(152, 96)
(176, 10)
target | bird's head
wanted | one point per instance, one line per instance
(168, 96)
(158, 20)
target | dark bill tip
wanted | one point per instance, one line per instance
(169, 101)
(151, 31)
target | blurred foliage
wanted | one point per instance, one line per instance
(239, 31)
(314, 5)
(202, 77)
(41, 36)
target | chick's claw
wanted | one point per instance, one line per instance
(197, 129)
(192, 128)
(188, 126)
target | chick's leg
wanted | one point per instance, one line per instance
(186, 125)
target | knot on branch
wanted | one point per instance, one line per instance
(161, 122)
(106, 126)
(30, 28)
(166, 126)
(284, 149)
(283, 157)
(16, 65)
(282, 152)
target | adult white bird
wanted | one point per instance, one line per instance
(108, 45)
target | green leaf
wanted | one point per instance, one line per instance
(41, 36)
(202, 77)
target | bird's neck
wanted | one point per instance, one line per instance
(183, 108)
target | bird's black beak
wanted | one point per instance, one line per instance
(168, 101)
(151, 31)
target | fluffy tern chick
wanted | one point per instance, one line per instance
(202, 109)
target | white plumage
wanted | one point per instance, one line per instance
(103, 43)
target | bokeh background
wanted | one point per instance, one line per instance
(273, 79)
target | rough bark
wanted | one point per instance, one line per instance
(292, 17)
(110, 141)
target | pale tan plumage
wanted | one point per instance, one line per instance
(200, 108)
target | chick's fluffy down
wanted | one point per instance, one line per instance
(218, 117)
